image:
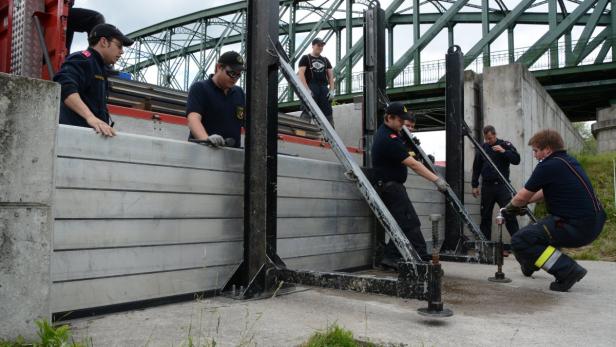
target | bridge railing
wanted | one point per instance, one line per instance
(433, 71)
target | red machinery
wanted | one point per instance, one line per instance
(31, 33)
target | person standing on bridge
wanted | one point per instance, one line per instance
(576, 216)
(390, 159)
(83, 78)
(215, 106)
(493, 190)
(315, 72)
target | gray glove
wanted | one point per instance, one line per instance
(330, 95)
(216, 140)
(441, 185)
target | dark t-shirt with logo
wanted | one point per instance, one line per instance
(316, 69)
(220, 114)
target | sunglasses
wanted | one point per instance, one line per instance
(233, 74)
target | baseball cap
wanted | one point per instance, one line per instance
(398, 109)
(108, 30)
(318, 41)
(232, 59)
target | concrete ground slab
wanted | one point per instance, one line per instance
(521, 313)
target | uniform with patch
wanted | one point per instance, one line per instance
(222, 114)
(84, 73)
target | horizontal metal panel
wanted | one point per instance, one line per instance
(304, 227)
(75, 295)
(94, 174)
(108, 233)
(107, 262)
(331, 262)
(300, 247)
(89, 204)
(84, 143)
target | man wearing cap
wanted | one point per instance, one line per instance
(83, 77)
(215, 106)
(493, 190)
(390, 159)
(315, 72)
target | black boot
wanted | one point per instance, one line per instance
(564, 283)
(528, 269)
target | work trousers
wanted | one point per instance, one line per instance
(492, 193)
(81, 20)
(319, 94)
(531, 242)
(399, 205)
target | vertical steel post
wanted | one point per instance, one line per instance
(613, 29)
(553, 22)
(450, 35)
(485, 29)
(349, 45)
(454, 109)
(499, 275)
(568, 49)
(511, 44)
(390, 51)
(291, 42)
(416, 34)
(260, 157)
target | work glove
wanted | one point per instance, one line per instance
(330, 95)
(416, 141)
(216, 140)
(441, 185)
(515, 210)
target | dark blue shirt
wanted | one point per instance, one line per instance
(220, 114)
(84, 73)
(567, 194)
(388, 153)
(502, 160)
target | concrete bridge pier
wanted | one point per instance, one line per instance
(28, 121)
(604, 129)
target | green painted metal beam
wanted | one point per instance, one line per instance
(539, 48)
(357, 50)
(603, 52)
(505, 23)
(613, 26)
(552, 12)
(594, 43)
(511, 44)
(485, 30)
(349, 43)
(588, 30)
(416, 56)
(409, 55)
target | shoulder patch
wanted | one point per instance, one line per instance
(508, 143)
(393, 136)
(86, 53)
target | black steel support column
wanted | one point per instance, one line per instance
(374, 76)
(260, 165)
(454, 94)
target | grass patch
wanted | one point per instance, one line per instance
(335, 336)
(49, 336)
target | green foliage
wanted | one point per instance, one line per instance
(334, 336)
(590, 143)
(49, 336)
(600, 171)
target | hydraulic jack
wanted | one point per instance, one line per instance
(499, 276)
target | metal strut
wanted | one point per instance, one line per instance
(365, 188)
(467, 131)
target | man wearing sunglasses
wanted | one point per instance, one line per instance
(83, 77)
(215, 106)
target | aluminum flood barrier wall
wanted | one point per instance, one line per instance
(139, 217)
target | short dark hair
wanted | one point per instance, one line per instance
(489, 129)
(547, 138)
(93, 41)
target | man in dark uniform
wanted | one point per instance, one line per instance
(390, 159)
(215, 106)
(493, 190)
(83, 77)
(576, 216)
(315, 72)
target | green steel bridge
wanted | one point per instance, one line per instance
(570, 45)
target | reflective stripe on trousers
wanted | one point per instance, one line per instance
(548, 258)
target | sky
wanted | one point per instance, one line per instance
(133, 15)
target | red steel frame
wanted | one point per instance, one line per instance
(54, 22)
(6, 25)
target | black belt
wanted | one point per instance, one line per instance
(492, 182)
